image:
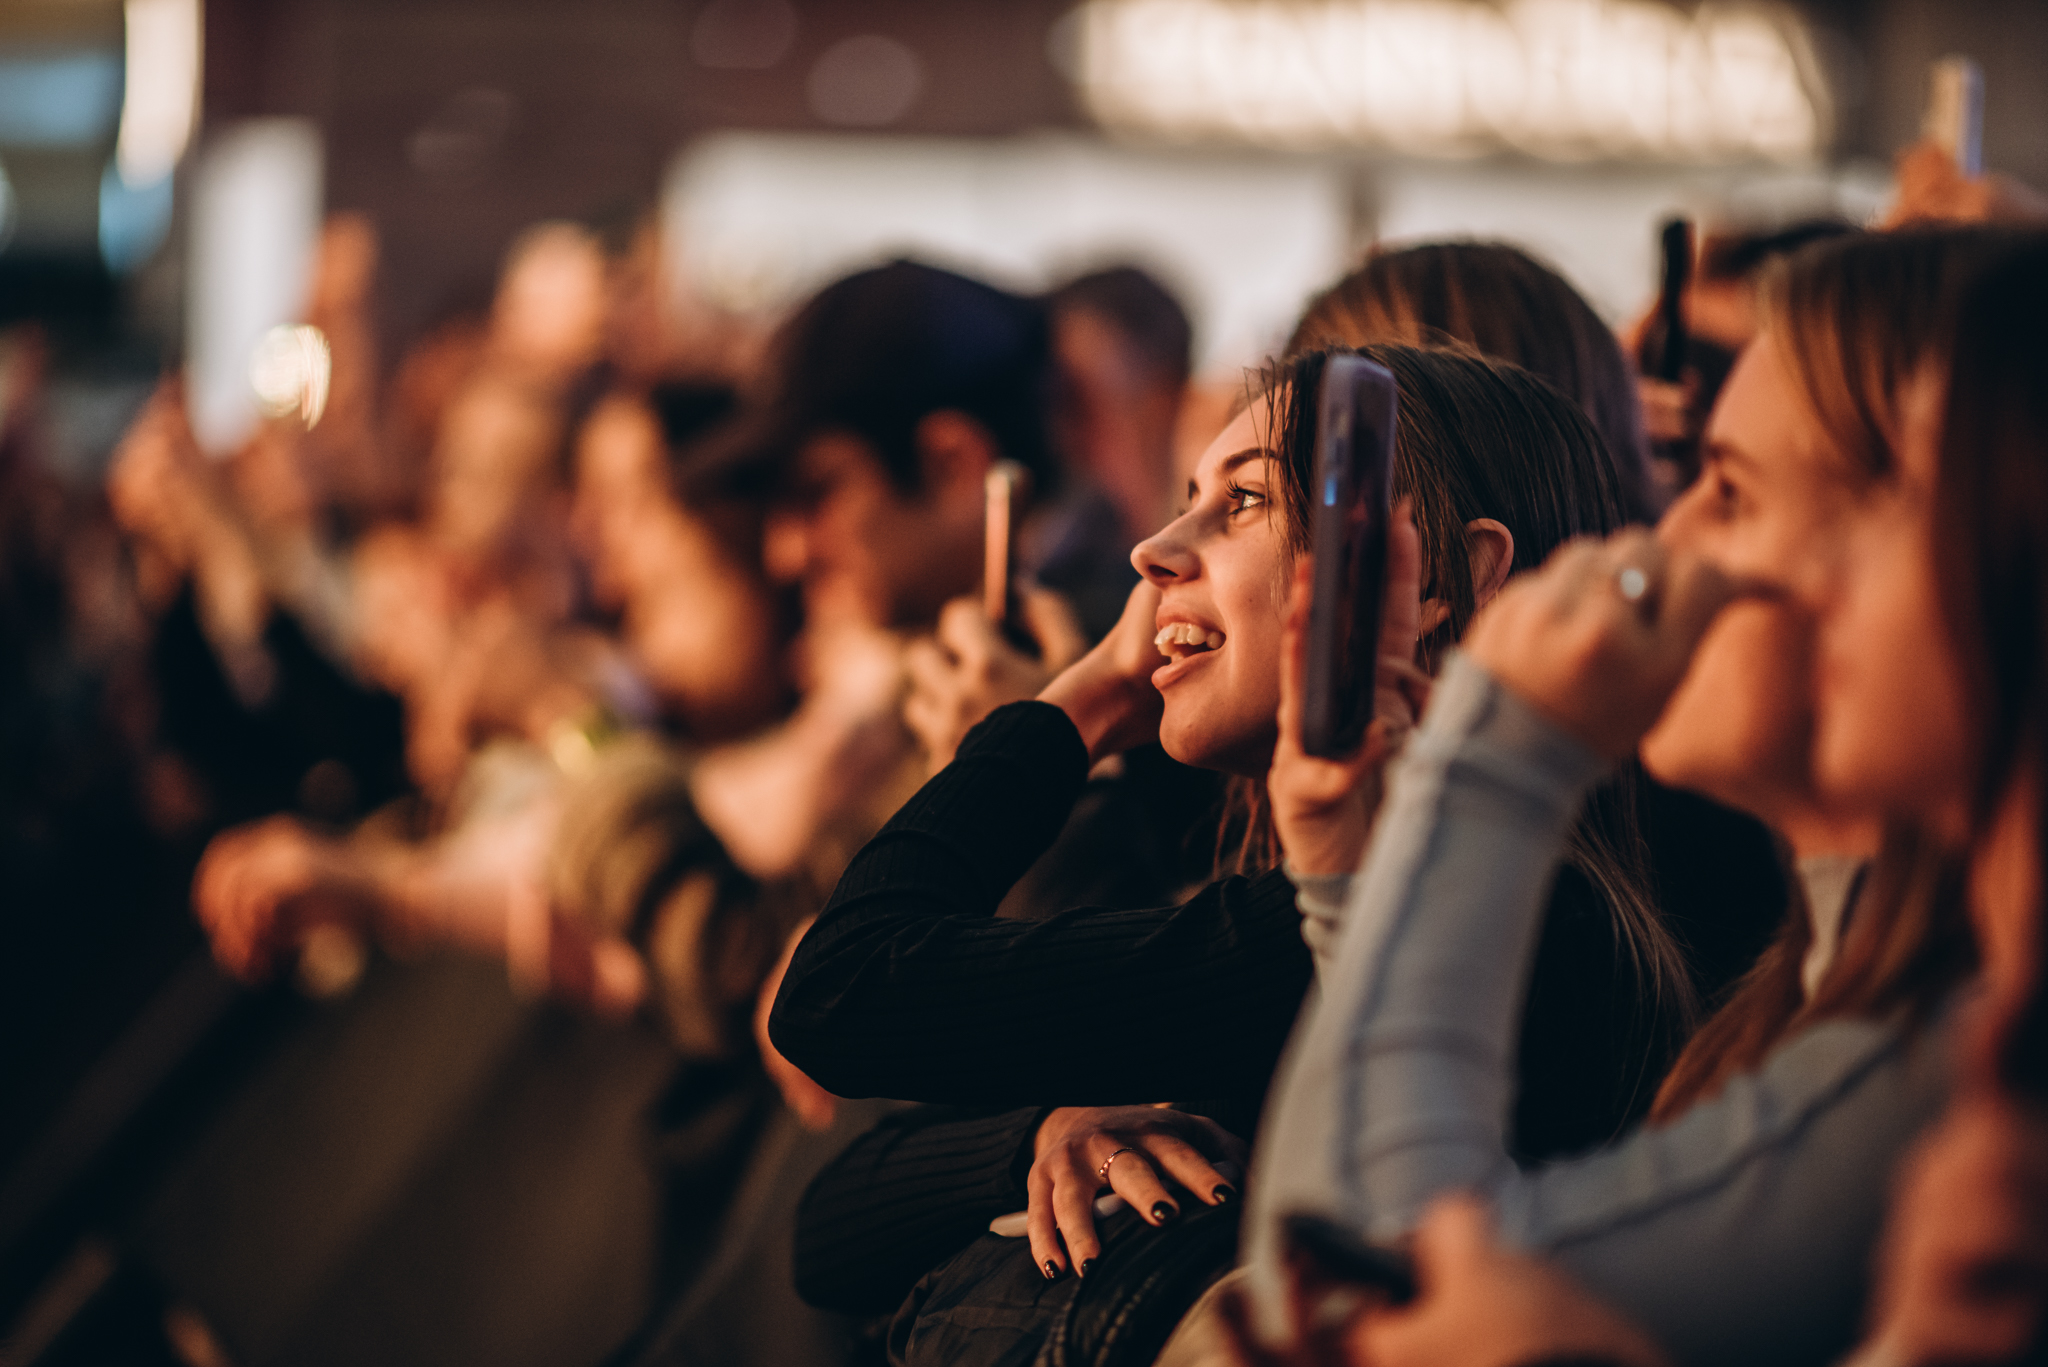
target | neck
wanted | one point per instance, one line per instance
(1813, 832)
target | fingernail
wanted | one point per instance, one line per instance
(1052, 1270)
(1163, 1213)
(1224, 1193)
(1087, 1266)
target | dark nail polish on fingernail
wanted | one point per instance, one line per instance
(1052, 1270)
(1087, 1266)
(1162, 1213)
(1224, 1193)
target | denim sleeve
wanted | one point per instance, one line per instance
(1740, 1233)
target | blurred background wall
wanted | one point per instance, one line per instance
(785, 138)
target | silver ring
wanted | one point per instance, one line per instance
(1102, 1173)
(1632, 582)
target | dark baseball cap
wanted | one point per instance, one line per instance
(876, 352)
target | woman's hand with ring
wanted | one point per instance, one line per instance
(1141, 1153)
(1599, 638)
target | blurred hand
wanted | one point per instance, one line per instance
(966, 669)
(1480, 1305)
(1323, 808)
(1964, 1268)
(1164, 1146)
(1933, 189)
(260, 888)
(1599, 665)
(814, 1107)
(1108, 692)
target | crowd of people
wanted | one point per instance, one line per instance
(1659, 983)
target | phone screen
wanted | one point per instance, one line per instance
(1353, 491)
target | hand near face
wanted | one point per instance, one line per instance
(1151, 1152)
(967, 669)
(1323, 808)
(1599, 638)
(1933, 189)
(1108, 692)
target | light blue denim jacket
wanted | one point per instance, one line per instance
(1741, 1233)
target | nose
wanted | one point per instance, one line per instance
(1168, 555)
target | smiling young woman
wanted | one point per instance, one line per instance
(910, 985)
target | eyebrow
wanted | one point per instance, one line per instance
(1230, 463)
(1723, 453)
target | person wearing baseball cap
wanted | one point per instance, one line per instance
(887, 398)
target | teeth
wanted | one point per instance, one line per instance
(1186, 634)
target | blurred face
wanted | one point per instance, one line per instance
(1892, 726)
(618, 473)
(1221, 571)
(866, 550)
(1771, 502)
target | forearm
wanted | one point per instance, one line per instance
(1399, 1083)
(904, 1197)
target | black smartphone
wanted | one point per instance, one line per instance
(1675, 247)
(1342, 1256)
(1353, 493)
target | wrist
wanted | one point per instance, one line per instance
(1101, 706)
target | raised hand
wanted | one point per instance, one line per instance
(1323, 808)
(1108, 692)
(966, 669)
(1599, 638)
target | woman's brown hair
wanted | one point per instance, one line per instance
(1856, 320)
(1479, 438)
(1991, 540)
(1503, 303)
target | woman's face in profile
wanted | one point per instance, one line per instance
(1893, 710)
(1772, 501)
(1220, 569)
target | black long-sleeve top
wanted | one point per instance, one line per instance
(908, 986)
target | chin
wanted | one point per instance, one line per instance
(1201, 745)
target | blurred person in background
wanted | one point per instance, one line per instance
(1122, 347)
(1502, 302)
(1720, 310)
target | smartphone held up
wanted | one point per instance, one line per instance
(1353, 497)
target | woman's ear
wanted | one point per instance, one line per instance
(1492, 548)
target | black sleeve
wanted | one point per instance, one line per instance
(903, 1198)
(910, 987)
